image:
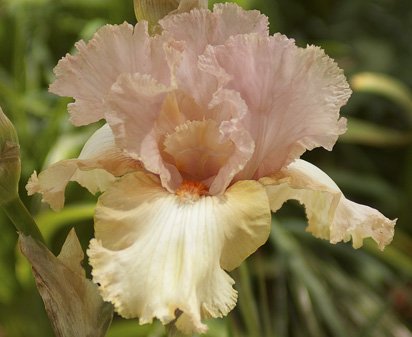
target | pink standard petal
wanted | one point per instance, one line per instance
(293, 94)
(136, 102)
(216, 153)
(201, 28)
(229, 108)
(114, 49)
(145, 113)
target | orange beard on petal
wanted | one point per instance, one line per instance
(191, 190)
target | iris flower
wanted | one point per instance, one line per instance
(204, 126)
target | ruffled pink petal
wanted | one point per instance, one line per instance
(147, 119)
(115, 49)
(136, 102)
(228, 108)
(201, 28)
(331, 216)
(210, 144)
(293, 94)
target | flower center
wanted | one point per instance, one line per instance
(191, 190)
(197, 150)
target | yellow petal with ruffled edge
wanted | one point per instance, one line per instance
(157, 254)
(99, 162)
(331, 216)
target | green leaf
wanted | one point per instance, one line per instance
(131, 328)
(300, 269)
(387, 86)
(50, 221)
(366, 133)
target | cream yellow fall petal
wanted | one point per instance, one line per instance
(95, 169)
(156, 254)
(330, 215)
(247, 222)
(52, 182)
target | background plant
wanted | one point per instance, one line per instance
(296, 285)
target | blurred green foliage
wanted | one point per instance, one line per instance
(295, 285)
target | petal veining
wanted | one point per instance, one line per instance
(155, 254)
(114, 49)
(228, 107)
(331, 216)
(145, 115)
(198, 150)
(201, 28)
(293, 95)
(135, 102)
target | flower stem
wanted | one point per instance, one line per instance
(22, 219)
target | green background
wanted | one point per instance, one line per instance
(295, 285)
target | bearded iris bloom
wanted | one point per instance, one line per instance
(205, 124)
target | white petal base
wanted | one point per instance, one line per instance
(156, 254)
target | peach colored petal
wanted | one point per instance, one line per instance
(177, 109)
(156, 253)
(293, 94)
(114, 49)
(209, 150)
(95, 169)
(145, 116)
(171, 114)
(197, 149)
(331, 216)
